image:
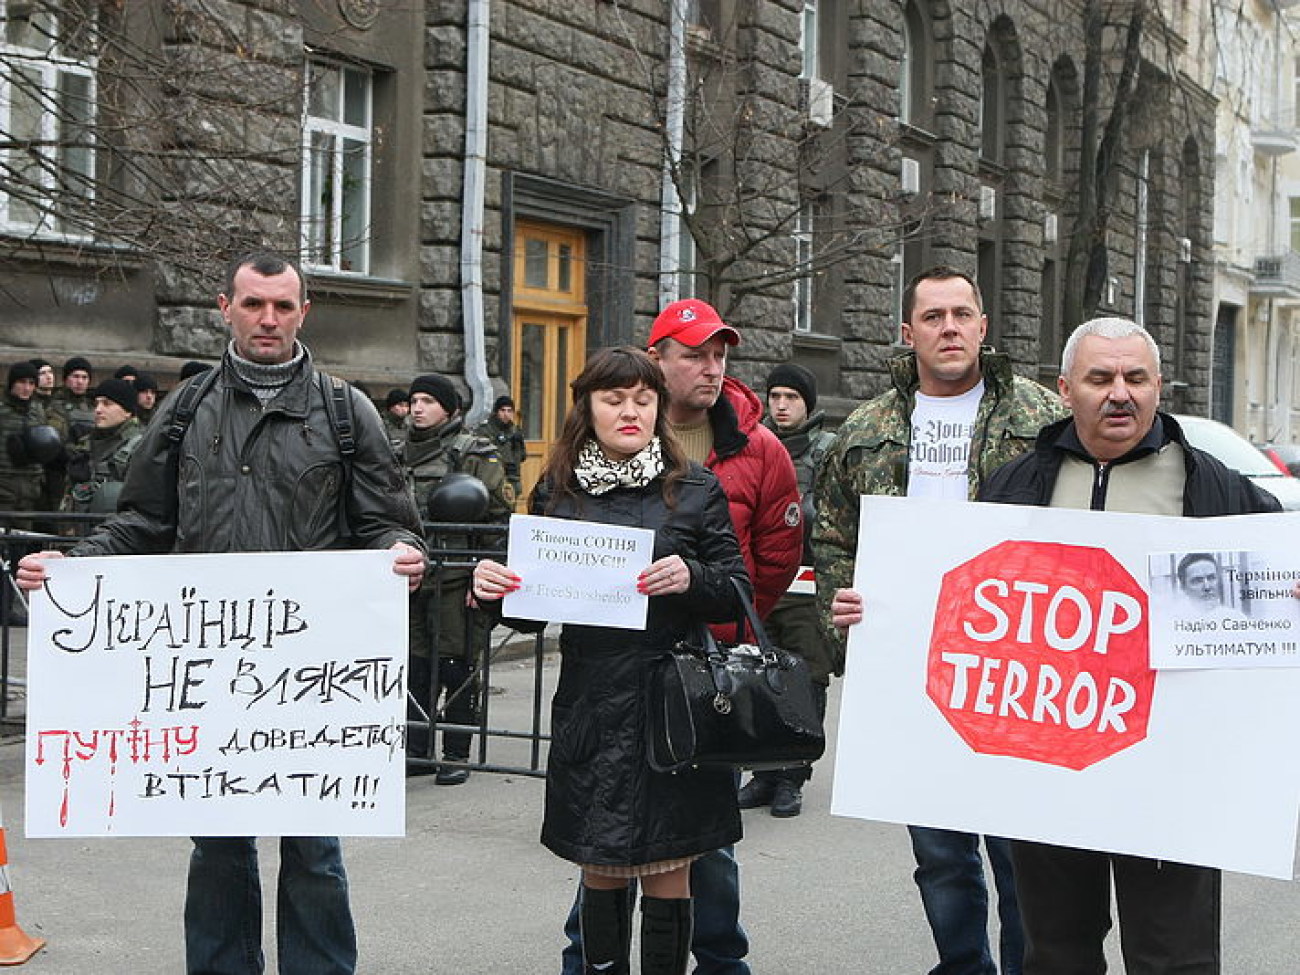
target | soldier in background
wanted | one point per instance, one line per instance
(52, 487)
(44, 382)
(25, 441)
(72, 403)
(501, 429)
(793, 416)
(446, 640)
(397, 407)
(71, 411)
(97, 462)
(146, 397)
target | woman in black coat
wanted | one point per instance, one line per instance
(606, 809)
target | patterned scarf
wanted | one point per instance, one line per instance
(597, 474)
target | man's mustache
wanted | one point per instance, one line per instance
(1119, 409)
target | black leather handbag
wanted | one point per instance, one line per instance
(742, 705)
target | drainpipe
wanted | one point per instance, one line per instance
(1140, 257)
(471, 213)
(670, 221)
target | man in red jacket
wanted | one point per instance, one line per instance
(716, 419)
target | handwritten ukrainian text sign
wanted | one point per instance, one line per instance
(1000, 684)
(578, 571)
(1224, 609)
(218, 695)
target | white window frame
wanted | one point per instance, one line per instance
(332, 252)
(809, 34)
(803, 284)
(52, 66)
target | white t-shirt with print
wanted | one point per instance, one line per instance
(942, 427)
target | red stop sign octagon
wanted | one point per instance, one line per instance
(1039, 651)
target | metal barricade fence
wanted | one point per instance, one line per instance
(453, 551)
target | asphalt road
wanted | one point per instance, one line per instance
(470, 891)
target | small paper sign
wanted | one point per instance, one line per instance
(1224, 609)
(578, 572)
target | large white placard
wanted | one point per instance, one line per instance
(578, 571)
(218, 695)
(999, 684)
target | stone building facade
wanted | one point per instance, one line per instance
(492, 188)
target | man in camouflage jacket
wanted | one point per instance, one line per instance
(955, 413)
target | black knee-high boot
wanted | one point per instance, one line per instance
(665, 935)
(606, 919)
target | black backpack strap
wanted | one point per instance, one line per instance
(187, 404)
(338, 404)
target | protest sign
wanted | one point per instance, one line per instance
(998, 685)
(1224, 609)
(578, 571)
(218, 695)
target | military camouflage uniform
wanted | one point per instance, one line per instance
(793, 623)
(871, 450)
(437, 614)
(509, 442)
(74, 417)
(396, 427)
(97, 467)
(21, 479)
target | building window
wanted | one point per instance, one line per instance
(803, 284)
(914, 101)
(699, 190)
(992, 107)
(1054, 138)
(1295, 224)
(47, 118)
(808, 41)
(706, 16)
(336, 174)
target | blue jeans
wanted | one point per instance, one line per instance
(718, 941)
(950, 875)
(223, 908)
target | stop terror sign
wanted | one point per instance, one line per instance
(1039, 651)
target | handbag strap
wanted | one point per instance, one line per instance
(750, 616)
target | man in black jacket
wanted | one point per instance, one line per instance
(1116, 452)
(258, 470)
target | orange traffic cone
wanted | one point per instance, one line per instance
(15, 946)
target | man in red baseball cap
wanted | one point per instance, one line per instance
(716, 419)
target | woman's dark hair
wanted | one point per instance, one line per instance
(615, 368)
